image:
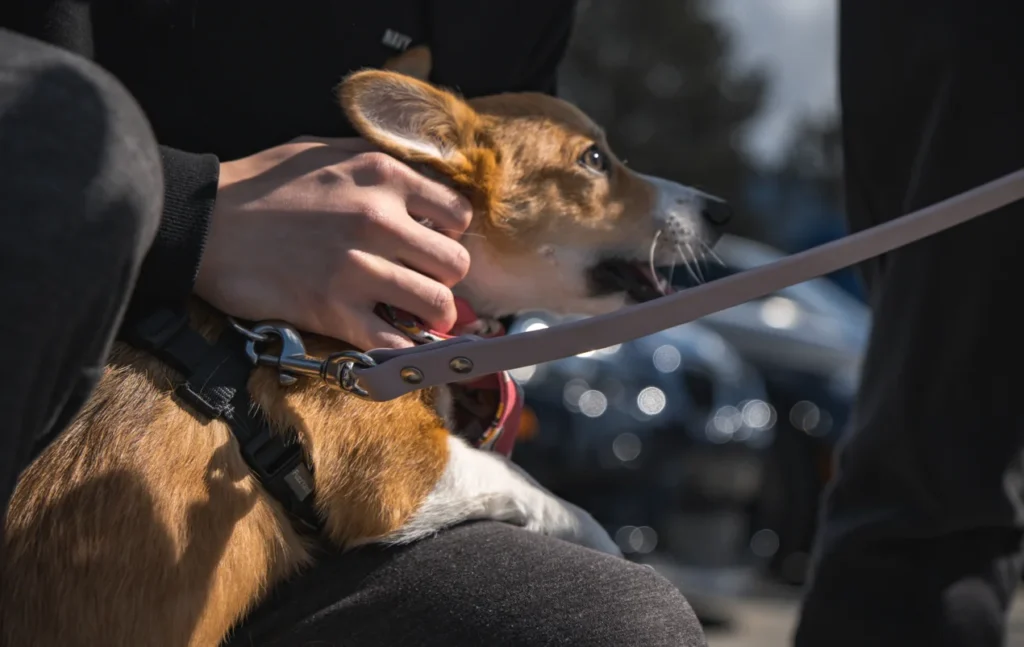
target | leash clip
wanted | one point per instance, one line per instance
(292, 361)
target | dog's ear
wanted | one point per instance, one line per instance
(419, 123)
(415, 62)
(408, 118)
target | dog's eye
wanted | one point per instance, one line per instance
(595, 159)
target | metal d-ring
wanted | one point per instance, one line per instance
(338, 371)
(245, 332)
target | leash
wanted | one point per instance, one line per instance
(386, 374)
(216, 374)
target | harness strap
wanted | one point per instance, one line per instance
(462, 358)
(216, 387)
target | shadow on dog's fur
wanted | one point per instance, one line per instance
(153, 532)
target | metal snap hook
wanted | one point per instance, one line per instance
(292, 361)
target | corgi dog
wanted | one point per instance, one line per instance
(142, 524)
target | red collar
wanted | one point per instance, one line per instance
(488, 409)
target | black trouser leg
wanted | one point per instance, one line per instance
(921, 532)
(483, 583)
(80, 198)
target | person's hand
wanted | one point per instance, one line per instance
(317, 232)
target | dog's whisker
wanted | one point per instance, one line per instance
(671, 270)
(686, 264)
(654, 272)
(710, 253)
(702, 257)
(696, 261)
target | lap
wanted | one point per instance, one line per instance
(478, 582)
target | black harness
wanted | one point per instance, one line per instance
(216, 387)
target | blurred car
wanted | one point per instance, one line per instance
(709, 442)
(808, 343)
(663, 439)
(813, 327)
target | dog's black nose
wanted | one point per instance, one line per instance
(716, 210)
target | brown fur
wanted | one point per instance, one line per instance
(141, 525)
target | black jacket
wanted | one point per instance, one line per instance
(222, 79)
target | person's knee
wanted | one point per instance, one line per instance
(79, 157)
(480, 583)
(544, 591)
(629, 604)
(581, 598)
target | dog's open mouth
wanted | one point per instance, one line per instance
(638, 280)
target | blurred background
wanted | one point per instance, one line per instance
(704, 449)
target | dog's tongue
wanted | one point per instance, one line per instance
(465, 315)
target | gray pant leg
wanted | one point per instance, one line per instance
(80, 199)
(483, 583)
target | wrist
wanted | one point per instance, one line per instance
(227, 204)
(231, 173)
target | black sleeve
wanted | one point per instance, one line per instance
(190, 180)
(482, 48)
(190, 190)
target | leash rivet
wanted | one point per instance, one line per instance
(412, 375)
(461, 365)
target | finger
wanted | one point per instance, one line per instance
(359, 327)
(419, 295)
(447, 210)
(449, 213)
(431, 253)
(370, 331)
